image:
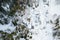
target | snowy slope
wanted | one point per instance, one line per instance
(41, 19)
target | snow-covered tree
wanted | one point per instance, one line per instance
(10, 14)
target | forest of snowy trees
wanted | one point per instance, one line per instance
(29, 19)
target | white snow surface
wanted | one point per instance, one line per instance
(40, 19)
(7, 28)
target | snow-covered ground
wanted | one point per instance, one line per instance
(40, 19)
